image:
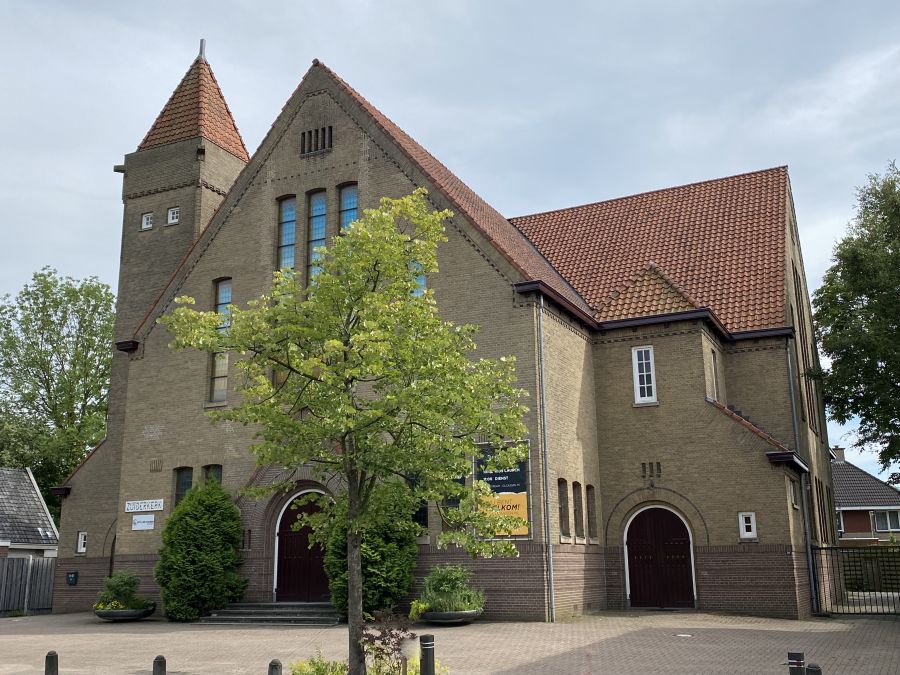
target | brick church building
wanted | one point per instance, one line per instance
(678, 453)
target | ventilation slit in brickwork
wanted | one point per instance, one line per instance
(316, 140)
(643, 469)
(658, 469)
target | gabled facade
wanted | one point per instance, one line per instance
(677, 451)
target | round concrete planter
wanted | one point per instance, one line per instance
(451, 618)
(125, 614)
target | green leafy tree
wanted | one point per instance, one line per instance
(199, 560)
(857, 311)
(55, 353)
(370, 385)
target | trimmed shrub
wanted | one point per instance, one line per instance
(447, 589)
(199, 561)
(120, 592)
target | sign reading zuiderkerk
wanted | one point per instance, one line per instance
(142, 505)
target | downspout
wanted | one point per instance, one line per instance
(804, 486)
(545, 460)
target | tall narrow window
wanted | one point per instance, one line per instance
(591, 512)
(212, 472)
(218, 369)
(223, 300)
(317, 217)
(419, 290)
(349, 205)
(644, 374)
(184, 476)
(715, 375)
(578, 505)
(563, 499)
(287, 232)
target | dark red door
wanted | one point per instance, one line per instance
(301, 574)
(659, 560)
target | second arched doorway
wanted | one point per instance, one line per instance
(299, 570)
(659, 559)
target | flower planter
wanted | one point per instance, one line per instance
(452, 618)
(125, 614)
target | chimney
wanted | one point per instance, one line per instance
(838, 453)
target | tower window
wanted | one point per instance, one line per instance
(317, 218)
(172, 215)
(349, 205)
(146, 221)
(287, 232)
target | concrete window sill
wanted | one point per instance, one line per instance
(564, 539)
(648, 404)
(215, 404)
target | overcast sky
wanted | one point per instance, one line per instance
(535, 105)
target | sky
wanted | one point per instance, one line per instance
(535, 105)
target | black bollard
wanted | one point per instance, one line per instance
(159, 665)
(51, 664)
(426, 646)
(796, 663)
(274, 667)
(813, 669)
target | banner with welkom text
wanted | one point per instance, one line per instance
(510, 491)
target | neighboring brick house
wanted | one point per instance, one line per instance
(26, 527)
(676, 447)
(868, 508)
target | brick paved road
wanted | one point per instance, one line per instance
(613, 643)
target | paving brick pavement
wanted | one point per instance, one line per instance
(611, 643)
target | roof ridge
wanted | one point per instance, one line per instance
(782, 167)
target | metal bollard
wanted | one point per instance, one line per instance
(813, 669)
(274, 667)
(51, 664)
(426, 647)
(159, 665)
(796, 663)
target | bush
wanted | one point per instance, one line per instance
(388, 550)
(199, 561)
(120, 592)
(447, 589)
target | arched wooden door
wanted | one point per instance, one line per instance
(660, 568)
(301, 573)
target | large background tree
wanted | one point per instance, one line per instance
(358, 377)
(55, 351)
(857, 312)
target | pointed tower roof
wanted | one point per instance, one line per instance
(197, 108)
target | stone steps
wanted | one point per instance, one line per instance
(275, 613)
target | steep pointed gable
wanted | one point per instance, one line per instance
(197, 109)
(648, 293)
(722, 241)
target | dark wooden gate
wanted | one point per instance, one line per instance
(301, 574)
(659, 560)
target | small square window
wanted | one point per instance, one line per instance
(146, 221)
(172, 215)
(81, 543)
(747, 524)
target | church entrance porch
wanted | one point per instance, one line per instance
(659, 569)
(299, 570)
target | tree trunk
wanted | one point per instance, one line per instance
(357, 658)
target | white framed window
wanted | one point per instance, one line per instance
(795, 493)
(81, 543)
(887, 521)
(644, 374)
(172, 215)
(747, 524)
(146, 221)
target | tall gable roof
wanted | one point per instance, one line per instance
(855, 487)
(195, 109)
(24, 518)
(721, 241)
(508, 240)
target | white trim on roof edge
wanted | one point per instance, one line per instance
(43, 503)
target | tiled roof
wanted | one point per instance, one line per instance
(649, 292)
(855, 487)
(517, 249)
(721, 241)
(23, 516)
(197, 108)
(749, 426)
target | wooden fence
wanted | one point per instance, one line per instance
(26, 585)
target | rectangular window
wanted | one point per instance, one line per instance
(287, 233)
(420, 517)
(218, 377)
(715, 375)
(146, 221)
(172, 215)
(563, 499)
(184, 477)
(349, 205)
(591, 513)
(795, 494)
(212, 472)
(81, 543)
(419, 290)
(223, 300)
(578, 505)
(747, 524)
(644, 374)
(887, 521)
(317, 217)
